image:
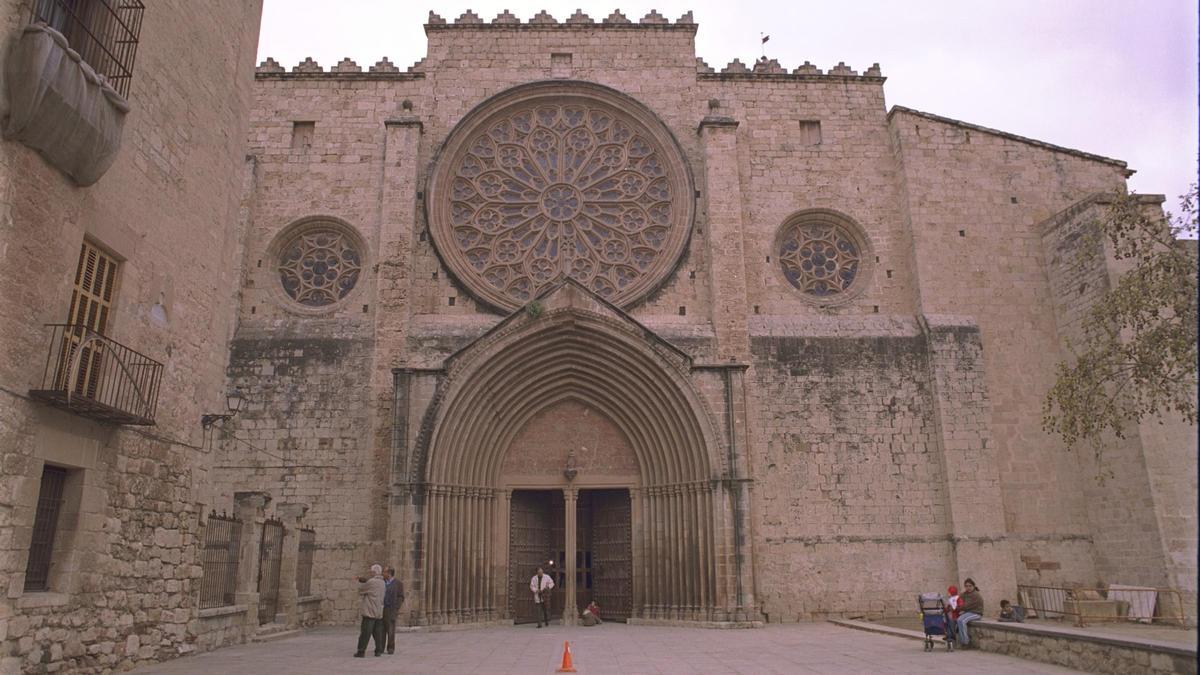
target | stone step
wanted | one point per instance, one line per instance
(275, 633)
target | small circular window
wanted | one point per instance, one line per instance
(319, 264)
(823, 255)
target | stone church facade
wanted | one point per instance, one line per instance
(712, 347)
(722, 347)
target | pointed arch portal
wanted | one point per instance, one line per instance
(579, 372)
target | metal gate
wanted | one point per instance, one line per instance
(269, 559)
(611, 553)
(533, 541)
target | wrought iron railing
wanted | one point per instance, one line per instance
(1082, 606)
(304, 562)
(97, 377)
(104, 32)
(219, 560)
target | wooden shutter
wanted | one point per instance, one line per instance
(91, 303)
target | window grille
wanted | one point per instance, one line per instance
(270, 564)
(219, 560)
(45, 526)
(304, 562)
(104, 32)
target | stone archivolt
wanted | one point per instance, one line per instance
(584, 352)
(560, 180)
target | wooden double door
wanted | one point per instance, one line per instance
(603, 552)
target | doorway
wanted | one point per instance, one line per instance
(535, 540)
(603, 555)
(604, 562)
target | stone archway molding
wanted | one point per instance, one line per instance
(572, 344)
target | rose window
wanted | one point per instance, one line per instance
(318, 267)
(539, 186)
(822, 259)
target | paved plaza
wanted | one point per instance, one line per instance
(610, 648)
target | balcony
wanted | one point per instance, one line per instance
(98, 378)
(67, 79)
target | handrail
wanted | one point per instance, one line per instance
(1147, 604)
(95, 376)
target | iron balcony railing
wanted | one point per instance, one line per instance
(97, 377)
(104, 32)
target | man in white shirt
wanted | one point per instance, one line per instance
(540, 585)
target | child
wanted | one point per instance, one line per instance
(1008, 613)
(591, 615)
(951, 611)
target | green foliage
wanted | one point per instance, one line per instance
(1138, 355)
(534, 309)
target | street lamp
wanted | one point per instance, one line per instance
(233, 402)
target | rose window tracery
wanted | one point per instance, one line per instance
(545, 186)
(318, 267)
(821, 257)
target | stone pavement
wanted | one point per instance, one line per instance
(610, 648)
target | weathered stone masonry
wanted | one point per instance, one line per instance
(802, 450)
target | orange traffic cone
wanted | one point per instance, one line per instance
(567, 666)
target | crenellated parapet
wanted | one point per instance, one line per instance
(344, 69)
(762, 69)
(770, 69)
(543, 20)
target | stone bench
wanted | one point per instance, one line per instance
(1076, 648)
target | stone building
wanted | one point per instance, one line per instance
(120, 184)
(716, 346)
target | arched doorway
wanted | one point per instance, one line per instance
(569, 437)
(503, 427)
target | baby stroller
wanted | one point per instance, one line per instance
(934, 621)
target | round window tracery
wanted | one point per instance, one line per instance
(319, 265)
(552, 180)
(823, 256)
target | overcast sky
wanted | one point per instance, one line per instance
(1112, 77)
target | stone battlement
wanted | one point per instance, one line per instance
(768, 69)
(506, 22)
(345, 69)
(543, 20)
(771, 69)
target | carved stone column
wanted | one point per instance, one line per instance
(636, 523)
(570, 611)
(292, 516)
(251, 510)
(500, 571)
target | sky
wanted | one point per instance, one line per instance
(1112, 77)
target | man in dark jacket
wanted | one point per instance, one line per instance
(393, 597)
(970, 609)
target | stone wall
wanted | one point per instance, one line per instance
(124, 578)
(1134, 544)
(1082, 651)
(974, 198)
(305, 438)
(848, 471)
